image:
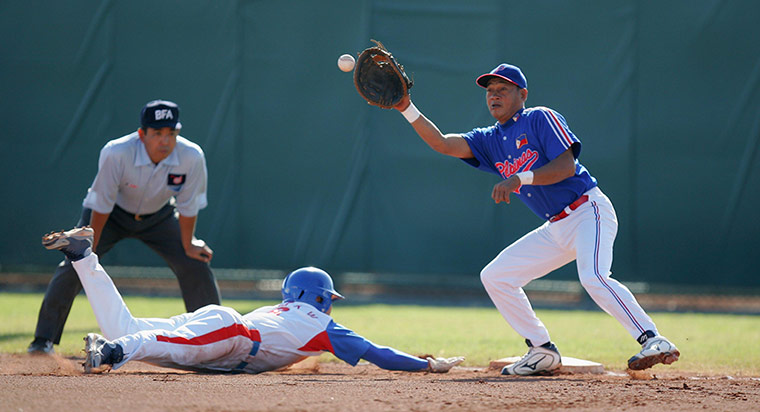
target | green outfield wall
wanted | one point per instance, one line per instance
(664, 95)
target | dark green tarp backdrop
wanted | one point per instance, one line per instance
(665, 96)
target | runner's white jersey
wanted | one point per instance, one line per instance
(292, 331)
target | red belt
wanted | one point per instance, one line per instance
(563, 214)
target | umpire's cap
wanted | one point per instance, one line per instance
(160, 113)
(507, 72)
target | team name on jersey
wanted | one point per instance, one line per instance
(524, 163)
(283, 307)
(162, 114)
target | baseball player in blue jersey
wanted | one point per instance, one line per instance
(218, 338)
(150, 185)
(535, 154)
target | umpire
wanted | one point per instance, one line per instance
(150, 186)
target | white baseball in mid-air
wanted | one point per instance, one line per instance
(346, 62)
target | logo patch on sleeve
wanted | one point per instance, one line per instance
(176, 180)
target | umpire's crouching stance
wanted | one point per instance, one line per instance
(150, 186)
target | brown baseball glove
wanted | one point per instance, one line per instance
(379, 79)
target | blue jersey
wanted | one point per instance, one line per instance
(530, 139)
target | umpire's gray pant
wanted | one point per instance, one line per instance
(160, 231)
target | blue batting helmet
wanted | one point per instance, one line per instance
(310, 285)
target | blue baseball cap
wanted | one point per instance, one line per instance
(507, 72)
(160, 113)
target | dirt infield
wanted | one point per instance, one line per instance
(45, 383)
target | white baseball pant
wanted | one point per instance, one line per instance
(212, 337)
(586, 235)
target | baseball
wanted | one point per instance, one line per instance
(346, 62)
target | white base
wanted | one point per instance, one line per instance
(569, 365)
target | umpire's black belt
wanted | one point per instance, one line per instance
(139, 217)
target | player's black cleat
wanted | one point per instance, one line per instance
(75, 243)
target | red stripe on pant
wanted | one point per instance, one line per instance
(215, 336)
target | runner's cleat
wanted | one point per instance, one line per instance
(75, 243)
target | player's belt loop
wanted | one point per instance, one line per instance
(253, 352)
(565, 213)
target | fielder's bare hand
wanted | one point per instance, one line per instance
(443, 365)
(502, 189)
(199, 250)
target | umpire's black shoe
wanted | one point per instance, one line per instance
(41, 346)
